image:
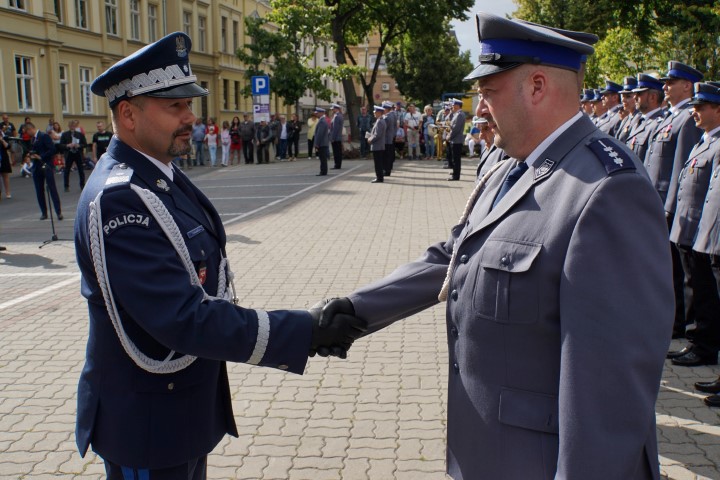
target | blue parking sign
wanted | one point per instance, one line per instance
(260, 85)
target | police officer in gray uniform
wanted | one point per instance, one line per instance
(627, 97)
(670, 145)
(321, 140)
(648, 99)
(390, 128)
(457, 138)
(701, 295)
(153, 396)
(610, 97)
(558, 288)
(376, 139)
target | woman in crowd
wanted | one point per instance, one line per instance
(5, 166)
(235, 140)
(225, 143)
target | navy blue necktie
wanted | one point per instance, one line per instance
(510, 180)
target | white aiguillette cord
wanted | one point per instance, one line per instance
(442, 296)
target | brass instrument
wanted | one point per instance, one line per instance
(442, 135)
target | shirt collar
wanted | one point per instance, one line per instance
(166, 169)
(674, 108)
(646, 115)
(533, 158)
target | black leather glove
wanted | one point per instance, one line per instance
(335, 327)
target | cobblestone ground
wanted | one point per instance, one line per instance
(378, 415)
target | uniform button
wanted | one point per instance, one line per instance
(282, 367)
(464, 259)
(454, 294)
(454, 332)
(456, 367)
(504, 261)
(171, 386)
(202, 252)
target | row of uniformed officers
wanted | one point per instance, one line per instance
(673, 125)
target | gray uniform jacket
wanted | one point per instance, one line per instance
(390, 128)
(639, 138)
(558, 318)
(322, 134)
(707, 239)
(457, 127)
(670, 146)
(610, 122)
(490, 157)
(377, 135)
(692, 190)
(626, 126)
(336, 128)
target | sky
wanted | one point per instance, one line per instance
(467, 31)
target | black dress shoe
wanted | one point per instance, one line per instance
(377, 180)
(708, 387)
(712, 401)
(321, 174)
(60, 216)
(452, 179)
(693, 359)
(679, 353)
(43, 217)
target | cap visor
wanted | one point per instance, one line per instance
(485, 69)
(181, 91)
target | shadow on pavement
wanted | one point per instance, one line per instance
(28, 260)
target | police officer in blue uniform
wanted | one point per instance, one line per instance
(153, 396)
(550, 277)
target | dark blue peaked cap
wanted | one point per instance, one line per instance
(505, 44)
(629, 83)
(610, 87)
(684, 72)
(588, 95)
(645, 82)
(706, 93)
(161, 69)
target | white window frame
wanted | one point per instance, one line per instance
(187, 23)
(87, 102)
(64, 74)
(223, 34)
(152, 22)
(17, 4)
(81, 14)
(25, 83)
(134, 25)
(236, 34)
(111, 18)
(202, 33)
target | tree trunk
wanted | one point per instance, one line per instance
(348, 84)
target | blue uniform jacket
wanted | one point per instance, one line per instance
(145, 420)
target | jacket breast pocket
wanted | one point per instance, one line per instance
(506, 289)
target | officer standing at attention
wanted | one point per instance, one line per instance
(390, 128)
(336, 128)
(701, 295)
(669, 148)
(153, 396)
(376, 139)
(558, 288)
(457, 138)
(321, 140)
(610, 98)
(648, 98)
(627, 97)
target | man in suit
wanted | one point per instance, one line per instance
(669, 148)
(632, 114)
(42, 151)
(73, 144)
(336, 129)
(648, 99)
(376, 139)
(263, 137)
(554, 366)
(321, 140)
(457, 138)
(153, 396)
(701, 295)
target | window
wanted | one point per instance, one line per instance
(226, 94)
(19, 4)
(64, 88)
(204, 102)
(325, 53)
(111, 23)
(237, 95)
(86, 96)
(187, 23)
(58, 4)
(24, 77)
(223, 34)
(202, 39)
(152, 23)
(81, 14)
(236, 29)
(134, 20)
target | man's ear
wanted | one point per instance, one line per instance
(126, 112)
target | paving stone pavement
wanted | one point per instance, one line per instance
(378, 415)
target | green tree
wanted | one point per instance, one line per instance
(424, 66)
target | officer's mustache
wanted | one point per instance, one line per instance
(182, 131)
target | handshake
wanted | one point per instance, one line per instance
(335, 327)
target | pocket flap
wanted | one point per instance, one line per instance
(509, 255)
(531, 410)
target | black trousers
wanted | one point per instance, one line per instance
(389, 157)
(701, 296)
(294, 147)
(379, 161)
(195, 469)
(45, 174)
(323, 154)
(456, 164)
(337, 154)
(77, 159)
(263, 153)
(248, 151)
(684, 315)
(311, 144)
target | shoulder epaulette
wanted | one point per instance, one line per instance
(611, 156)
(119, 176)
